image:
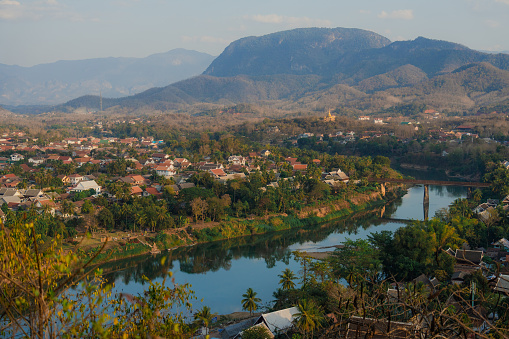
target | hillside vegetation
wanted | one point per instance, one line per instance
(315, 69)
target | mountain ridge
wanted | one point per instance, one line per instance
(57, 82)
(309, 69)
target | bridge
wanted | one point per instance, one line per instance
(430, 182)
(426, 183)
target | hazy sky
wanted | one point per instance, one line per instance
(42, 31)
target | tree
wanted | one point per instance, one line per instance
(287, 278)
(355, 258)
(443, 236)
(250, 301)
(87, 207)
(105, 218)
(499, 180)
(67, 208)
(34, 286)
(309, 317)
(199, 207)
(203, 318)
(141, 219)
(257, 332)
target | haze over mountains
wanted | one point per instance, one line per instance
(320, 68)
(58, 82)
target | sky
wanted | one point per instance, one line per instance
(43, 31)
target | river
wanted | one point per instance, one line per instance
(221, 272)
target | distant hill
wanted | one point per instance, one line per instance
(406, 75)
(298, 51)
(321, 68)
(61, 81)
(465, 88)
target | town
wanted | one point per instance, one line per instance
(120, 195)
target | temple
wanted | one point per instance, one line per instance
(329, 118)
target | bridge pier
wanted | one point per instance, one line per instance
(469, 192)
(382, 189)
(426, 202)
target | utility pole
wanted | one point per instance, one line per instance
(472, 287)
(100, 101)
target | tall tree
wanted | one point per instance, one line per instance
(204, 317)
(287, 278)
(309, 317)
(250, 301)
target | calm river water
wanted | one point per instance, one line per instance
(221, 272)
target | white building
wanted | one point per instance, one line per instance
(85, 186)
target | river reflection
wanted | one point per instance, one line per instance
(220, 272)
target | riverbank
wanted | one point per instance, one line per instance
(313, 214)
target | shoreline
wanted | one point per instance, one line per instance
(308, 216)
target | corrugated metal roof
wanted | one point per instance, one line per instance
(279, 321)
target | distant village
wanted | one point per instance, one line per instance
(25, 183)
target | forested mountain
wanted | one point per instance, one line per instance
(319, 68)
(298, 51)
(60, 81)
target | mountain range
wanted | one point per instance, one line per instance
(54, 83)
(321, 68)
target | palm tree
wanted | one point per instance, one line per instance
(250, 301)
(161, 215)
(309, 317)
(141, 219)
(67, 208)
(203, 318)
(287, 279)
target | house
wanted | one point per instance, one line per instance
(82, 161)
(45, 204)
(165, 170)
(279, 321)
(181, 162)
(502, 284)
(291, 161)
(27, 169)
(17, 157)
(233, 331)
(487, 215)
(65, 179)
(127, 180)
(469, 257)
(300, 167)
(32, 193)
(458, 277)
(205, 166)
(137, 179)
(160, 156)
(65, 159)
(85, 186)
(481, 208)
(136, 191)
(152, 191)
(10, 200)
(36, 161)
(217, 173)
(502, 243)
(237, 160)
(75, 178)
(9, 192)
